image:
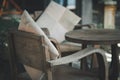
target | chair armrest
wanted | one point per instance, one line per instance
(81, 54)
(78, 55)
(86, 26)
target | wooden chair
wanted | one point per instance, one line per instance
(30, 49)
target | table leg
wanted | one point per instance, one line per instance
(114, 67)
(84, 65)
(102, 69)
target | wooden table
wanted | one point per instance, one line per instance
(100, 37)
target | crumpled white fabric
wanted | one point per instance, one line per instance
(27, 24)
(58, 20)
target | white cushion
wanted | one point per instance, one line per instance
(58, 20)
(28, 24)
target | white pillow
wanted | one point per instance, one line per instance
(58, 20)
(28, 24)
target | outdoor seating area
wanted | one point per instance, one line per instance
(59, 40)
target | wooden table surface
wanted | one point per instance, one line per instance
(94, 36)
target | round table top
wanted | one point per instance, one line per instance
(94, 36)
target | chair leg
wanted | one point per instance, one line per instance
(101, 68)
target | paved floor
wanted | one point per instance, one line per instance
(5, 70)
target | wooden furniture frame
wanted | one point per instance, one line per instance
(30, 49)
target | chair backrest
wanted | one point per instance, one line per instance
(28, 49)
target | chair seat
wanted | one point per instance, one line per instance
(67, 46)
(66, 72)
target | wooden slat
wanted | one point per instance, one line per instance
(28, 48)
